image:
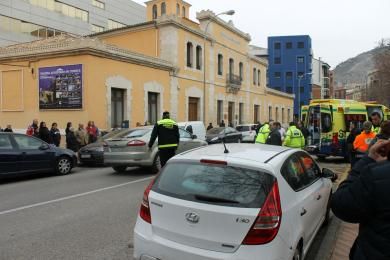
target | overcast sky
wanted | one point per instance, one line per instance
(339, 29)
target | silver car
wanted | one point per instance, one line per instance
(248, 132)
(132, 149)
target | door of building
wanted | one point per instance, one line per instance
(117, 107)
(231, 113)
(193, 104)
(152, 107)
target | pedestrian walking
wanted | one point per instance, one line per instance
(71, 140)
(44, 133)
(364, 198)
(8, 129)
(274, 137)
(92, 132)
(222, 124)
(353, 132)
(210, 126)
(68, 126)
(55, 135)
(264, 131)
(167, 132)
(81, 136)
(363, 140)
(294, 137)
(376, 120)
(32, 129)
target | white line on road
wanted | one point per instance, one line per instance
(72, 196)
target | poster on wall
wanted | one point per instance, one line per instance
(61, 87)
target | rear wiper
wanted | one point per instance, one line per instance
(214, 199)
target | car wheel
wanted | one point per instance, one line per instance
(297, 254)
(120, 169)
(327, 213)
(64, 165)
(156, 167)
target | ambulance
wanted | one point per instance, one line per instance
(329, 120)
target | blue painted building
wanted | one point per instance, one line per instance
(290, 67)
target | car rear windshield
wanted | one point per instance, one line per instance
(215, 184)
(215, 131)
(134, 133)
(243, 128)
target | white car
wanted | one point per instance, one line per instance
(198, 128)
(248, 132)
(254, 202)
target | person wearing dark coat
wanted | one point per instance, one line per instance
(274, 137)
(8, 129)
(44, 133)
(55, 135)
(210, 126)
(71, 140)
(364, 198)
(304, 131)
(353, 132)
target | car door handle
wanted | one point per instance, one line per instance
(303, 212)
(319, 197)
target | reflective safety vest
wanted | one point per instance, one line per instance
(167, 132)
(263, 134)
(376, 129)
(294, 138)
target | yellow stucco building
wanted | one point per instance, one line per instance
(198, 71)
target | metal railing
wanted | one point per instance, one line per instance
(233, 83)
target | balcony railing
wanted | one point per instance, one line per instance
(233, 83)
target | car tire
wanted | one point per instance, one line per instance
(327, 213)
(298, 253)
(64, 165)
(156, 167)
(119, 169)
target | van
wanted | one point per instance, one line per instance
(198, 128)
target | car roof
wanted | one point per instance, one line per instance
(255, 152)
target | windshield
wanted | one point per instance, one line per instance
(215, 184)
(215, 131)
(138, 133)
(243, 128)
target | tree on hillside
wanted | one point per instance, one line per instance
(379, 87)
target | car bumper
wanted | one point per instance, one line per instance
(149, 246)
(96, 158)
(128, 159)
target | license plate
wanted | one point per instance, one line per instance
(85, 156)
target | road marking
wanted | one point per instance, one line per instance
(72, 196)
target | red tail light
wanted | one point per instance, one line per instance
(145, 209)
(267, 224)
(136, 143)
(213, 162)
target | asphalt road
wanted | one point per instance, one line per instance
(89, 214)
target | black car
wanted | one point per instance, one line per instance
(93, 154)
(22, 154)
(228, 134)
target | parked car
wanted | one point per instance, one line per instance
(198, 128)
(248, 132)
(22, 154)
(229, 134)
(255, 202)
(93, 154)
(132, 149)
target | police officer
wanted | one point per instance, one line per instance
(376, 120)
(168, 135)
(294, 137)
(263, 134)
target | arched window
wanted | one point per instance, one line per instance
(163, 8)
(231, 67)
(190, 49)
(241, 68)
(177, 9)
(198, 57)
(220, 64)
(184, 12)
(154, 12)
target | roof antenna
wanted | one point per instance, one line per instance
(222, 138)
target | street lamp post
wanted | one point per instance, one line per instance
(230, 12)
(300, 77)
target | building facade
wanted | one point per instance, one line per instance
(28, 20)
(136, 72)
(321, 80)
(290, 67)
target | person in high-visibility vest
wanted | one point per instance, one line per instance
(264, 131)
(376, 120)
(294, 137)
(168, 135)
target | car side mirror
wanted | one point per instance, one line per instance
(329, 174)
(194, 137)
(44, 147)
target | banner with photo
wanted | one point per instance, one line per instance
(61, 87)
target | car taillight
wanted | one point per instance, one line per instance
(136, 143)
(206, 161)
(267, 223)
(144, 212)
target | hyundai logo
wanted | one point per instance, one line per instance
(192, 218)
